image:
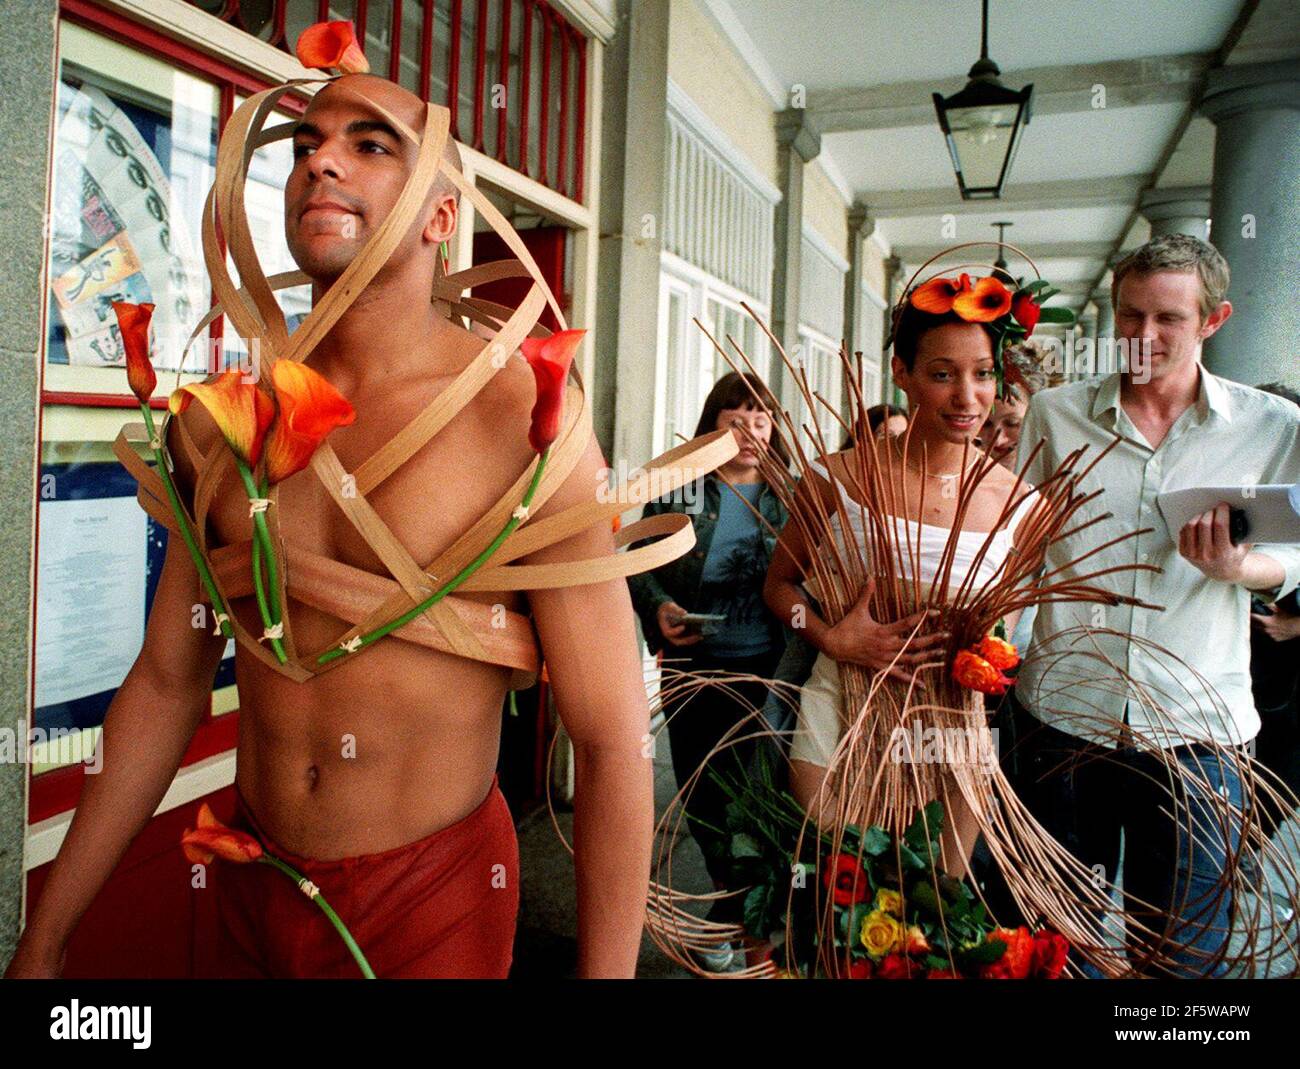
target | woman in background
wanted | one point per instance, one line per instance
(721, 577)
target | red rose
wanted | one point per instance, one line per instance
(860, 970)
(1050, 952)
(848, 880)
(897, 967)
(1019, 958)
(1026, 312)
(944, 974)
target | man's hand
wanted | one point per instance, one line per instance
(677, 634)
(859, 638)
(1277, 624)
(1204, 543)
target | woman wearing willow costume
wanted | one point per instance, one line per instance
(722, 576)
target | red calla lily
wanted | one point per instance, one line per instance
(240, 410)
(310, 408)
(332, 45)
(213, 839)
(133, 322)
(989, 300)
(937, 295)
(550, 359)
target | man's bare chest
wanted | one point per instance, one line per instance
(427, 503)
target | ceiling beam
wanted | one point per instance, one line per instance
(1057, 90)
(1026, 196)
(1042, 250)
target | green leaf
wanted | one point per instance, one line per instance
(922, 896)
(876, 841)
(1056, 315)
(933, 961)
(757, 907)
(985, 953)
(1036, 285)
(744, 845)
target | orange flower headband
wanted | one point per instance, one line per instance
(1010, 314)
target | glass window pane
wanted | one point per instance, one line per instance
(135, 149)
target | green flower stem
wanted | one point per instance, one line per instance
(452, 584)
(268, 606)
(328, 910)
(218, 606)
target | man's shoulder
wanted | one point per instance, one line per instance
(1067, 397)
(1255, 403)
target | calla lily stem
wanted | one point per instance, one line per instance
(453, 583)
(328, 910)
(218, 606)
(267, 600)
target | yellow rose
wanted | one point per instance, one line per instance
(889, 902)
(881, 934)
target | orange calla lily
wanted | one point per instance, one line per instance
(989, 300)
(550, 359)
(133, 322)
(332, 45)
(309, 409)
(240, 410)
(213, 839)
(974, 672)
(937, 295)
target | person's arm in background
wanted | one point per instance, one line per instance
(594, 662)
(655, 607)
(1032, 429)
(147, 729)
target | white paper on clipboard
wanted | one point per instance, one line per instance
(1273, 512)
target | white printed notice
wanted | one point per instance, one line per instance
(90, 596)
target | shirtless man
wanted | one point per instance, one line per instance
(426, 724)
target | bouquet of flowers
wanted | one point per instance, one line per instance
(884, 905)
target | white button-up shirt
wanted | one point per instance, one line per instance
(1232, 435)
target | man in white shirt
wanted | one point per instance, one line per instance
(1178, 426)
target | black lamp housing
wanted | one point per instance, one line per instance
(983, 124)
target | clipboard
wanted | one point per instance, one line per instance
(1272, 512)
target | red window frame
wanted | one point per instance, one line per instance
(58, 790)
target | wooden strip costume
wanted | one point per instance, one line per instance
(362, 600)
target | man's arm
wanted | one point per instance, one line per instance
(147, 728)
(589, 641)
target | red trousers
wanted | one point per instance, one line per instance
(443, 907)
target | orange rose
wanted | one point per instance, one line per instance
(212, 838)
(916, 941)
(1019, 958)
(989, 300)
(332, 45)
(975, 673)
(1000, 654)
(937, 295)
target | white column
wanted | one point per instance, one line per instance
(1185, 210)
(797, 145)
(1255, 207)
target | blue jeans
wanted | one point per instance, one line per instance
(1176, 837)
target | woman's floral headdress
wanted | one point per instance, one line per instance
(1009, 312)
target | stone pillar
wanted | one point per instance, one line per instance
(1255, 207)
(1177, 211)
(1105, 343)
(894, 281)
(27, 79)
(860, 227)
(797, 145)
(634, 115)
